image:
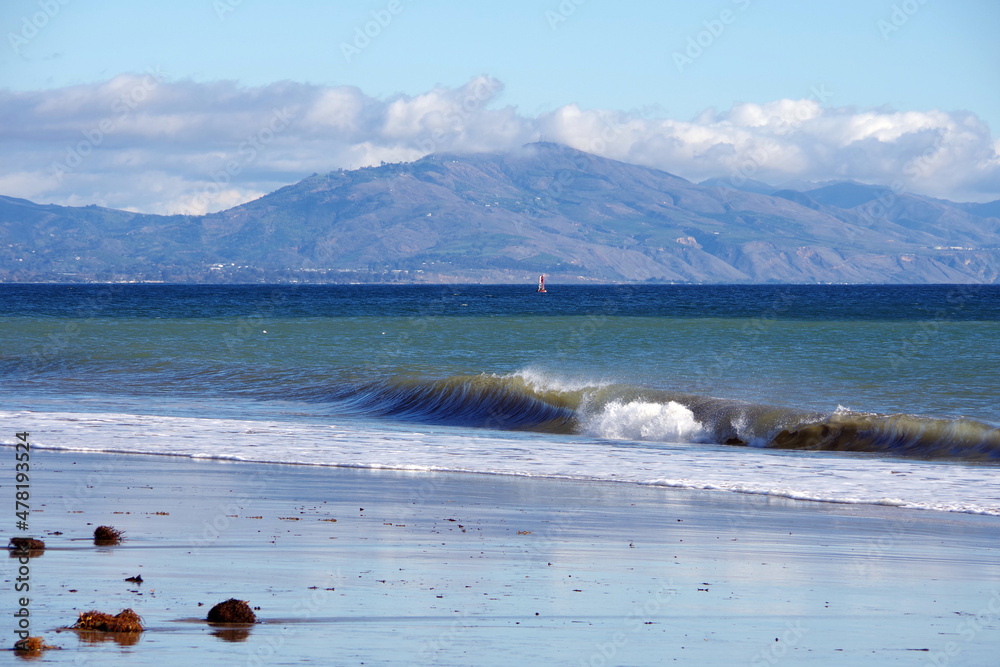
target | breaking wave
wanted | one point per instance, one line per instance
(533, 402)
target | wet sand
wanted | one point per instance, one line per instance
(381, 567)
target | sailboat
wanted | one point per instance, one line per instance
(541, 284)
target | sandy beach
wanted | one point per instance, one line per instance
(352, 567)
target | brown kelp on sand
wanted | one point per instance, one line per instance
(232, 611)
(31, 645)
(107, 536)
(125, 621)
(25, 544)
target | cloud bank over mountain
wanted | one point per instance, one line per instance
(143, 142)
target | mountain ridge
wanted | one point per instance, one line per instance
(507, 217)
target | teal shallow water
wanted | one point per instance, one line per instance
(928, 352)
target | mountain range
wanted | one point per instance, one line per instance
(508, 217)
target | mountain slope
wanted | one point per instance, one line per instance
(507, 217)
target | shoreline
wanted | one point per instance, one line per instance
(873, 505)
(466, 568)
(833, 477)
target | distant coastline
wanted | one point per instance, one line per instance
(505, 218)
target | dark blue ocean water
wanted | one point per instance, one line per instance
(789, 302)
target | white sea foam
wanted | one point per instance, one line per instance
(828, 477)
(640, 420)
(542, 381)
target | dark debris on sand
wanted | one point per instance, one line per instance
(107, 535)
(26, 544)
(31, 645)
(125, 621)
(232, 611)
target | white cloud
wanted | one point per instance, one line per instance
(141, 142)
(338, 109)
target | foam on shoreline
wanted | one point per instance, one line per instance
(832, 478)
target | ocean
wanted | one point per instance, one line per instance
(883, 395)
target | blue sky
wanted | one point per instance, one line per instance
(664, 69)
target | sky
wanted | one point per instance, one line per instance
(192, 106)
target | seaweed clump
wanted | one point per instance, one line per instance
(232, 611)
(107, 536)
(26, 544)
(125, 621)
(31, 645)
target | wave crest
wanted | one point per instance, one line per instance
(534, 402)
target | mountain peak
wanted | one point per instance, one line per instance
(507, 217)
